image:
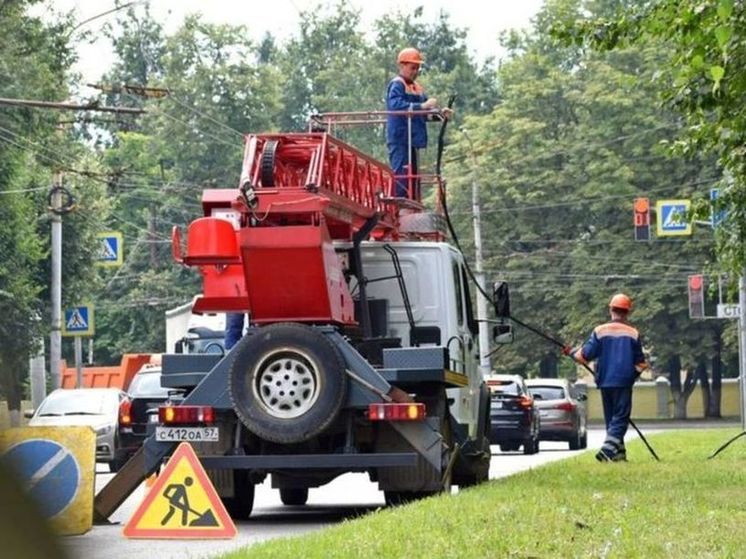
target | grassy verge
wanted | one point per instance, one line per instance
(684, 506)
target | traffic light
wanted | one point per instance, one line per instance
(696, 296)
(642, 219)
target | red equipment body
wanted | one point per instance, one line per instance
(267, 247)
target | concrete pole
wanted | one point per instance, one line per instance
(37, 376)
(742, 345)
(78, 362)
(55, 336)
(484, 335)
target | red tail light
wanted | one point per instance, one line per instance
(125, 412)
(525, 402)
(174, 415)
(396, 412)
(565, 406)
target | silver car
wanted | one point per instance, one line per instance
(563, 413)
(95, 407)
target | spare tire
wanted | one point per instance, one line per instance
(287, 382)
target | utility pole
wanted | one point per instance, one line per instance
(742, 345)
(55, 336)
(152, 236)
(484, 334)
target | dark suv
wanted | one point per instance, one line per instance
(514, 417)
(145, 394)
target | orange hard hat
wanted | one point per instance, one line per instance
(621, 301)
(411, 55)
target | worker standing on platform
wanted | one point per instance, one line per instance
(406, 134)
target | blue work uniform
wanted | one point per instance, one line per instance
(402, 95)
(234, 323)
(617, 350)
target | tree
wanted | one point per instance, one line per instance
(703, 78)
(575, 138)
(36, 59)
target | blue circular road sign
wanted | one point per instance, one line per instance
(48, 471)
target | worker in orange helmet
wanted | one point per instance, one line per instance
(404, 94)
(617, 350)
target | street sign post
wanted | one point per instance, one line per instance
(716, 216)
(78, 321)
(672, 218)
(729, 310)
(110, 251)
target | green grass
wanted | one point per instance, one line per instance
(684, 506)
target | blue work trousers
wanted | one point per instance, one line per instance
(617, 403)
(233, 329)
(399, 161)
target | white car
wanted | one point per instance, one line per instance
(95, 407)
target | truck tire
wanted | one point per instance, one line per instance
(239, 506)
(294, 496)
(287, 382)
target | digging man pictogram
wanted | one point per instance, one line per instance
(176, 493)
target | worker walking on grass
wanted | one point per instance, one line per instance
(617, 350)
(406, 134)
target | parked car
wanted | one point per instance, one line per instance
(145, 394)
(95, 407)
(514, 417)
(563, 413)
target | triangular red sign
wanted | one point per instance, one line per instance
(181, 504)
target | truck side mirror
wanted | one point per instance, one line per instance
(502, 334)
(28, 414)
(501, 299)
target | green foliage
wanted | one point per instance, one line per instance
(576, 137)
(703, 78)
(35, 59)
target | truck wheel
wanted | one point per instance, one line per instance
(574, 442)
(240, 505)
(396, 498)
(287, 382)
(294, 496)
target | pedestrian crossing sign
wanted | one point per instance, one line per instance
(181, 504)
(672, 218)
(78, 321)
(109, 249)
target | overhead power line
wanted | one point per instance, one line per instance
(93, 106)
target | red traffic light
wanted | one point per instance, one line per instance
(695, 282)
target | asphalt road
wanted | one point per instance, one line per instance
(347, 497)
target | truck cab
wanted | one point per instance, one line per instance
(437, 293)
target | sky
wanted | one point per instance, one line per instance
(483, 19)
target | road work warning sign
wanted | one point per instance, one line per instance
(182, 504)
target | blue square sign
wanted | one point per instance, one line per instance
(672, 217)
(109, 251)
(78, 321)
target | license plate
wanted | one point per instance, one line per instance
(497, 405)
(190, 434)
